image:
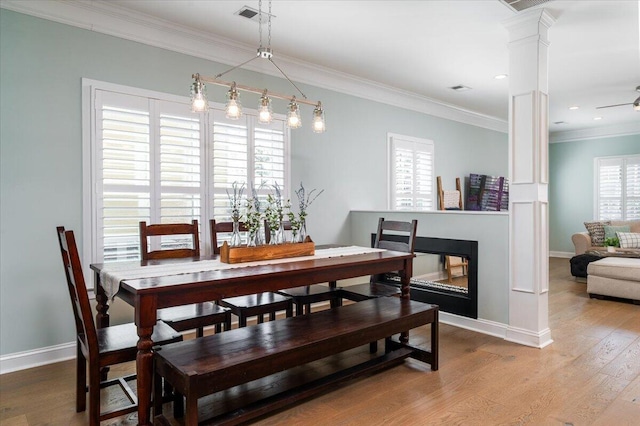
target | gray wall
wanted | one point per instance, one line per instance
(41, 67)
(571, 184)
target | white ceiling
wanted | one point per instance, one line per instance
(425, 47)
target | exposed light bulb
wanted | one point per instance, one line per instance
(233, 108)
(265, 115)
(318, 119)
(198, 104)
(293, 116)
(198, 96)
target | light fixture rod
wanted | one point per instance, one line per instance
(285, 76)
(214, 80)
(238, 66)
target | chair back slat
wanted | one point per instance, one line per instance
(406, 231)
(85, 325)
(222, 228)
(159, 230)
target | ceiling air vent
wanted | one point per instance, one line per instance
(460, 88)
(520, 5)
(251, 13)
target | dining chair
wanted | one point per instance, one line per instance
(102, 347)
(250, 305)
(304, 296)
(383, 240)
(387, 229)
(187, 317)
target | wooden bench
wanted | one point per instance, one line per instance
(203, 366)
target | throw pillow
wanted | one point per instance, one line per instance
(596, 232)
(610, 230)
(629, 239)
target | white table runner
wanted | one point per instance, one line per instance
(113, 273)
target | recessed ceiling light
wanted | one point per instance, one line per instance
(597, 118)
(501, 76)
(460, 88)
(574, 107)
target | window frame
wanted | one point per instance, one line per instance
(622, 160)
(391, 177)
(91, 159)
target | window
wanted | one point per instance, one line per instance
(411, 171)
(617, 188)
(148, 157)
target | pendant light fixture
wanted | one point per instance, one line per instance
(293, 116)
(198, 96)
(233, 108)
(318, 119)
(265, 114)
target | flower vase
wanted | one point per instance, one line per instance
(280, 234)
(235, 235)
(272, 238)
(303, 231)
(253, 238)
(260, 236)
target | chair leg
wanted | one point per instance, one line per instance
(227, 323)
(94, 397)
(157, 394)
(81, 380)
(178, 405)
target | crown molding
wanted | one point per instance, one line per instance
(596, 132)
(113, 20)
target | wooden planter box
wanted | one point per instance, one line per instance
(266, 252)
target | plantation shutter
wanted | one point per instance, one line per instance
(246, 152)
(618, 188)
(230, 160)
(148, 169)
(411, 170)
(632, 187)
(148, 158)
(181, 169)
(124, 174)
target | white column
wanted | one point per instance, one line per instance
(528, 179)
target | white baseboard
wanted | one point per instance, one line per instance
(566, 254)
(527, 338)
(37, 357)
(491, 328)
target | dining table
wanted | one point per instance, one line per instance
(155, 284)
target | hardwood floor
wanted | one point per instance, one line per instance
(590, 375)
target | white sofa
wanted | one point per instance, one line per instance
(582, 240)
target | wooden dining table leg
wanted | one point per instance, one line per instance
(405, 280)
(145, 309)
(102, 314)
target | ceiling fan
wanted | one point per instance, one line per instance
(636, 103)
